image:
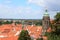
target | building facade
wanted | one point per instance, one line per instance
(45, 22)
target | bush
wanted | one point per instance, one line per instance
(39, 38)
(52, 36)
(24, 35)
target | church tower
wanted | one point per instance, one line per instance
(45, 21)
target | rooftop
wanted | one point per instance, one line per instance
(11, 31)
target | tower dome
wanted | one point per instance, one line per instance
(46, 13)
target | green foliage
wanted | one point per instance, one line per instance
(7, 22)
(0, 23)
(56, 25)
(57, 19)
(38, 23)
(39, 38)
(55, 35)
(17, 22)
(57, 16)
(24, 35)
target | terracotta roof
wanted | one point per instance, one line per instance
(12, 31)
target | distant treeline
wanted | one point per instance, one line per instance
(28, 22)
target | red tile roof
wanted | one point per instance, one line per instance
(11, 31)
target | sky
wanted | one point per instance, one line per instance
(28, 9)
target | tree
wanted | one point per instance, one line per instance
(24, 35)
(57, 17)
(38, 23)
(8, 22)
(17, 22)
(55, 35)
(39, 39)
(0, 23)
(56, 23)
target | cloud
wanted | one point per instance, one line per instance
(33, 11)
(19, 12)
(16, 12)
(52, 5)
(37, 2)
(9, 12)
(7, 1)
